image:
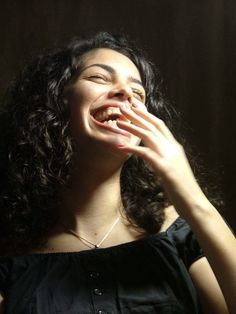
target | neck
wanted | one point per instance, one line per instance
(92, 202)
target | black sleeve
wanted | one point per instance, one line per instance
(185, 241)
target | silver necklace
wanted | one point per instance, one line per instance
(88, 243)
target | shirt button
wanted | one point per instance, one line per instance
(97, 291)
(94, 275)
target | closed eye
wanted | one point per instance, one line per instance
(139, 93)
(98, 77)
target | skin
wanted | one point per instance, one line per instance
(1, 304)
(90, 208)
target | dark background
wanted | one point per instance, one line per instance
(192, 42)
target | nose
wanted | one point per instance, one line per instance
(122, 92)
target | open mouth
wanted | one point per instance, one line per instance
(109, 116)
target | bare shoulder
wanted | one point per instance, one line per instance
(1, 304)
(170, 216)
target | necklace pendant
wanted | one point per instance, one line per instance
(89, 243)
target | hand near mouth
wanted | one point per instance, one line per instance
(165, 155)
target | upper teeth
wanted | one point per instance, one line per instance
(103, 115)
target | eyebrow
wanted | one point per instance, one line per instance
(111, 70)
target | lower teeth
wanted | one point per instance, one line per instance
(111, 122)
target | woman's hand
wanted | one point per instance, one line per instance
(166, 156)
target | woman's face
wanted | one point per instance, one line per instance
(107, 81)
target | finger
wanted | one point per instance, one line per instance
(158, 123)
(147, 136)
(138, 104)
(145, 153)
(138, 120)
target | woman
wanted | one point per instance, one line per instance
(93, 222)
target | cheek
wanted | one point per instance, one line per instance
(76, 98)
(79, 118)
(79, 103)
(86, 93)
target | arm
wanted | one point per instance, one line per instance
(168, 160)
(210, 294)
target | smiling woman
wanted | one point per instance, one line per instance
(106, 81)
(100, 210)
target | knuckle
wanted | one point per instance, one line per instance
(161, 122)
(147, 134)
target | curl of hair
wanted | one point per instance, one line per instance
(36, 148)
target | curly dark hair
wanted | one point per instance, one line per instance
(36, 147)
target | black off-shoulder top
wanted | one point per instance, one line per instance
(145, 276)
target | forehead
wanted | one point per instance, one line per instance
(119, 62)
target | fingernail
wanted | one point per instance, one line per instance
(124, 107)
(120, 145)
